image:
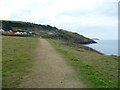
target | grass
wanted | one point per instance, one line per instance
(18, 54)
(0, 61)
(93, 68)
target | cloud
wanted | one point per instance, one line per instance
(72, 15)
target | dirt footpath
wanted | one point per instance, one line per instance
(50, 70)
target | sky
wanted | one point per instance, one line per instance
(91, 18)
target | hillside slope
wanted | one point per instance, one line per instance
(46, 31)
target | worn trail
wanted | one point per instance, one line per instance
(50, 70)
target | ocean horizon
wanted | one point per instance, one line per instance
(107, 47)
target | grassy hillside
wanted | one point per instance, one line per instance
(18, 54)
(46, 31)
(25, 26)
(96, 70)
(0, 62)
(93, 68)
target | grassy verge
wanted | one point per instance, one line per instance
(18, 54)
(96, 70)
(0, 61)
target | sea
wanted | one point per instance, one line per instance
(107, 47)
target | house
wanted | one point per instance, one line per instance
(24, 32)
(1, 30)
(30, 32)
(8, 32)
(18, 33)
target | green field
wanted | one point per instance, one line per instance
(0, 62)
(96, 70)
(18, 54)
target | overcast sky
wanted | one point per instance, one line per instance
(91, 18)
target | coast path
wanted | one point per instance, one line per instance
(50, 70)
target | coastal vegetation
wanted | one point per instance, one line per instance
(45, 31)
(95, 69)
(17, 54)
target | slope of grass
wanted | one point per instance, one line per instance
(18, 54)
(45, 31)
(0, 61)
(96, 70)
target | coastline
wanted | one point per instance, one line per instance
(107, 47)
(89, 64)
(91, 49)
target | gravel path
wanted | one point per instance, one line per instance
(50, 70)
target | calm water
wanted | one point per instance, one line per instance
(107, 47)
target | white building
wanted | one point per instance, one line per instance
(21, 33)
(1, 30)
(18, 33)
